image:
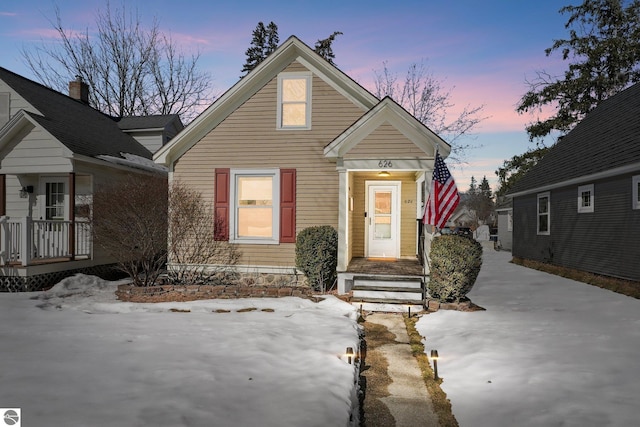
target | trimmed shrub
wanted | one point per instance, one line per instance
(317, 255)
(455, 264)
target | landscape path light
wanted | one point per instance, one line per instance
(350, 354)
(434, 357)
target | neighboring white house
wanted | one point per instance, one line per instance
(54, 151)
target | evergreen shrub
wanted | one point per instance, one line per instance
(455, 264)
(317, 255)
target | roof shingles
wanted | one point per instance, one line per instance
(80, 128)
(607, 138)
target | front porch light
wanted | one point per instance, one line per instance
(384, 174)
(26, 190)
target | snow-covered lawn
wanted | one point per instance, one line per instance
(546, 352)
(74, 356)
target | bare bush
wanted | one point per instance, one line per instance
(130, 223)
(196, 257)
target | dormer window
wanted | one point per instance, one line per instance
(294, 101)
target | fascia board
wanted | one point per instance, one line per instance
(387, 111)
(631, 168)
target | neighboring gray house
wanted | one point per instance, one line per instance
(55, 150)
(504, 210)
(579, 207)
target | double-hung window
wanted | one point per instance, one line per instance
(294, 100)
(586, 198)
(255, 200)
(635, 181)
(544, 213)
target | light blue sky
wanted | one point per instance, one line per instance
(483, 51)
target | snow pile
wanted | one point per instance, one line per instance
(76, 356)
(547, 351)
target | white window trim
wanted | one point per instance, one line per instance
(635, 203)
(510, 220)
(294, 75)
(233, 232)
(586, 189)
(541, 196)
(42, 194)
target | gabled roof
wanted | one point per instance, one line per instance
(389, 111)
(606, 142)
(82, 129)
(292, 49)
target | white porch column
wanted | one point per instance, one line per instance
(343, 220)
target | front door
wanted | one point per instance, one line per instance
(383, 220)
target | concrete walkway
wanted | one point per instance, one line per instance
(409, 402)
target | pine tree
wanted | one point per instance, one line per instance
(604, 43)
(473, 187)
(265, 40)
(324, 49)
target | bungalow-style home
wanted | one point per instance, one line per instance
(579, 207)
(55, 150)
(297, 143)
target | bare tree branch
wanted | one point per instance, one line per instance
(423, 95)
(130, 69)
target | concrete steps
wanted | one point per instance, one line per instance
(384, 291)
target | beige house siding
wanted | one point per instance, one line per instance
(385, 142)
(248, 138)
(408, 228)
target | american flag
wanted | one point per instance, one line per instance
(443, 198)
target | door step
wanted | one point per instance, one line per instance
(398, 290)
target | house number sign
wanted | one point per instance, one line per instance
(385, 164)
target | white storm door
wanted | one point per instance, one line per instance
(383, 221)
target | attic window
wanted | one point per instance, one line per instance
(4, 108)
(294, 101)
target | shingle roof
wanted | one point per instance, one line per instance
(607, 138)
(146, 122)
(80, 128)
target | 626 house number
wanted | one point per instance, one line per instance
(385, 164)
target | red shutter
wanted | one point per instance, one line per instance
(221, 204)
(287, 205)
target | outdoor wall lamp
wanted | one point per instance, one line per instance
(26, 190)
(384, 174)
(435, 357)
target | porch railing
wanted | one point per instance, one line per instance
(26, 241)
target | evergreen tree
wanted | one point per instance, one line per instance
(265, 40)
(473, 187)
(324, 49)
(485, 188)
(604, 43)
(515, 168)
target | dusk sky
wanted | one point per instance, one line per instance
(483, 51)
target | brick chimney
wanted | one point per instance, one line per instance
(79, 90)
